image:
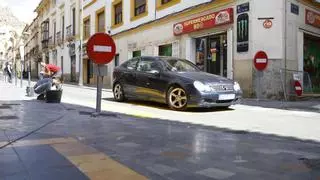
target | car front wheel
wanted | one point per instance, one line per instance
(177, 98)
(118, 92)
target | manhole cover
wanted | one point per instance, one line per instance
(311, 163)
(5, 107)
(8, 117)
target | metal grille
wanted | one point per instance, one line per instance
(221, 87)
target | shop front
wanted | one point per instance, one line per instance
(311, 53)
(210, 47)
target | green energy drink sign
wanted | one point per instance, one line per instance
(243, 33)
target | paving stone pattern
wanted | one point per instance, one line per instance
(156, 149)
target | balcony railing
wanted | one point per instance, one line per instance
(70, 33)
(59, 38)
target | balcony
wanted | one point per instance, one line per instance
(51, 43)
(59, 39)
(70, 33)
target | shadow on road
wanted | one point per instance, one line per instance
(162, 106)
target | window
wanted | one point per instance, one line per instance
(62, 26)
(86, 28)
(73, 21)
(163, 4)
(148, 66)
(139, 7)
(136, 53)
(54, 32)
(165, 50)
(101, 22)
(165, 1)
(118, 13)
(116, 60)
(131, 64)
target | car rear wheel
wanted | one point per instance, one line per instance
(177, 98)
(118, 92)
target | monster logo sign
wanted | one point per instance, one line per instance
(243, 33)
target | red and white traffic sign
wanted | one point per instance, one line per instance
(101, 48)
(261, 60)
(298, 88)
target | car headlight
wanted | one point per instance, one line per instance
(236, 86)
(201, 87)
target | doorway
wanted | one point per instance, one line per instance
(73, 69)
(211, 54)
(311, 60)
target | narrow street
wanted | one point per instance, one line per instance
(139, 140)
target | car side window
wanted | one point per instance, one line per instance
(148, 66)
(131, 64)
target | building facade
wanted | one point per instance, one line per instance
(221, 37)
(57, 34)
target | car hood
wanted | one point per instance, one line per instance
(204, 77)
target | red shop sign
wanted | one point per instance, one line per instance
(312, 18)
(204, 22)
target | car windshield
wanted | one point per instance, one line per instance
(180, 65)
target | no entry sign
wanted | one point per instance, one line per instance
(101, 48)
(298, 88)
(260, 60)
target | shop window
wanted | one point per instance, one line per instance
(311, 62)
(116, 60)
(100, 20)
(86, 28)
(136, 53)
(163, 4)
(165, 50)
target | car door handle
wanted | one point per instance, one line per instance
(148, 84)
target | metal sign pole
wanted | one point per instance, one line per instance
(259, 74)
(99, 90)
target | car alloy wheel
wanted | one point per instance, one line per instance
(118, 92)
(177, 98)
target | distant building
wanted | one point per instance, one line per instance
(56, 37)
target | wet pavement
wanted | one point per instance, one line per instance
(61, 141)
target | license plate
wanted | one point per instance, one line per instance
(227, 96)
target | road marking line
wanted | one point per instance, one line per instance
(96, 165)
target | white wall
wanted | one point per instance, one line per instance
(270, 40)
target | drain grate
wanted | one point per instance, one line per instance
(8, 117)
(311, 163)
(5, 107)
